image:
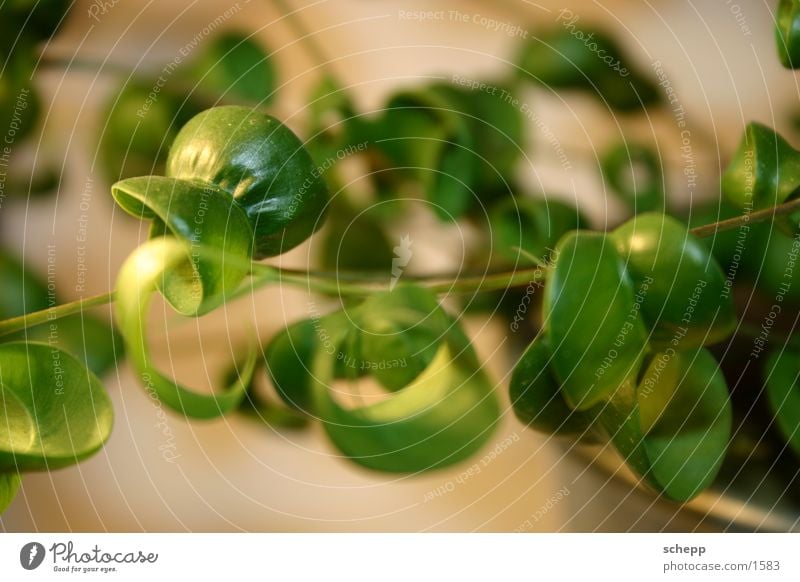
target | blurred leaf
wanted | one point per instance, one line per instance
(570, 58)
(355, 241)
(634, 173)
(674, 428)
(92, 341)
(59, 411)
(236, 68)
(537, 399)
(142, 121)
(782, 379)
(533, 225)
(787, 33)
(9, 485)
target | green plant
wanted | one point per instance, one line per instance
(619, 349)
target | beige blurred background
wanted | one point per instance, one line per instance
(233, 474)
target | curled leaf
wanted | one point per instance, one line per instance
(683, 294)
(141, 274)
(55, 412)
(634, 173)
(597, 336)
(537, 398)
(764, 172)
(200, 215)
(787, 33)
(782, 378)
(260, 163)
(9, 486)
(674, 427)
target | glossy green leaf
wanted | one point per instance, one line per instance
(533, 225)
(782, 379)
(443, 416)
(764, 172)
(787, 33)
(634, 174)
(596, 332)
(142, 273)
(262, 164)
(537, 398)
(55, 411)
(202, 215)
(235, 67)
(9, 486)
(674, 428)
(682, 290)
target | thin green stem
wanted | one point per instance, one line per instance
(35, 318)
(752, 217)
(360, 285)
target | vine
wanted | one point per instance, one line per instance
(619, 349)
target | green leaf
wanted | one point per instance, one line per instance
(55, 411)
(634, 173)
(9, 486)
(140, 275)
(787, 33)
(401, 332)
(443, 416)
(596, 332)
(684, 298)
(289, 357)
(537, 398)
(235, 67)
(140, 126)
(424, 133)
(532, 225)
(95, 343)
(674, 428)
(782, 379)
(21, 291)
(262, 164)
(764, 172)
(355, 240)
(495, 122)
(20, 105)
(201, 215)
(577, 57)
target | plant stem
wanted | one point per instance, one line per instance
(51, 313)
(752, 217)
(360, 285)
